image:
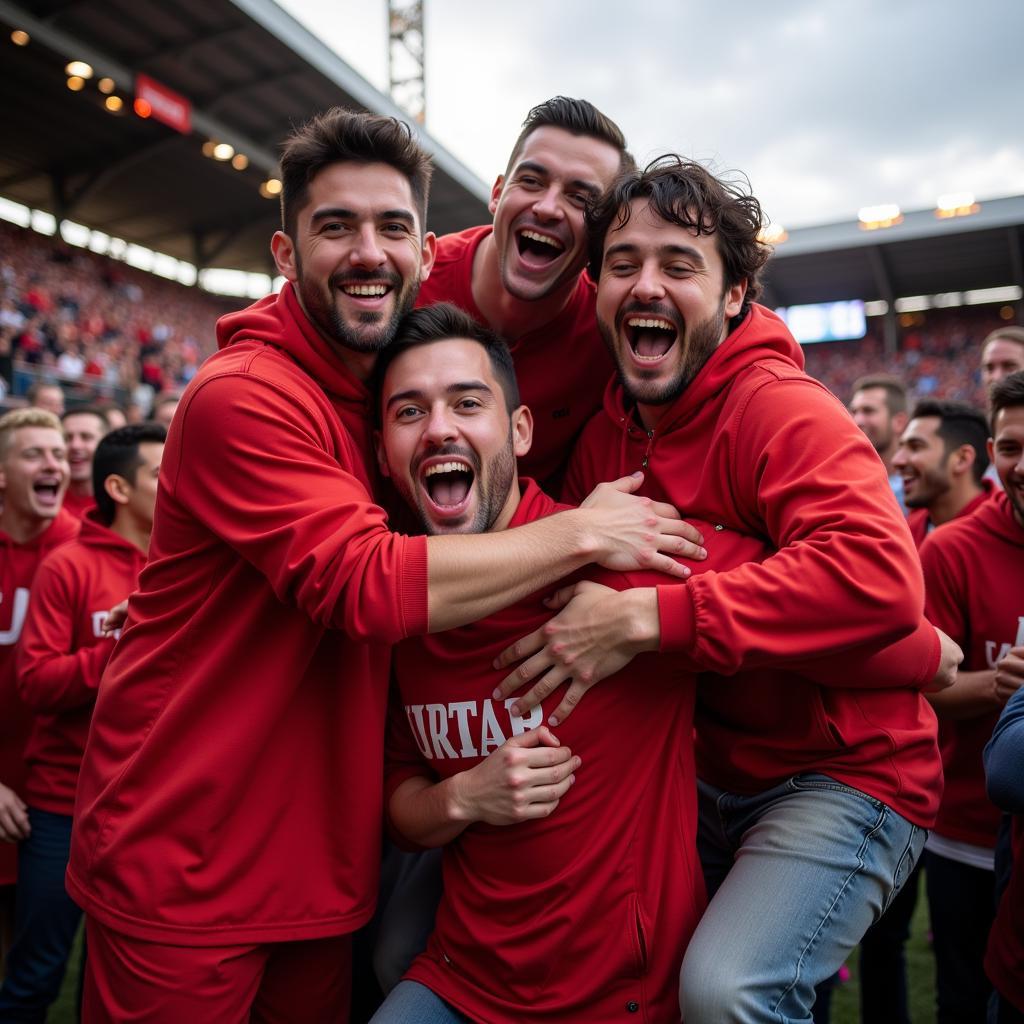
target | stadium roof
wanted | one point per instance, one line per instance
(922, 255)
(249, 71)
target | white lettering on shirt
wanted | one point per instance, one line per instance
(477, 727)
(18, 608)
(994, 658)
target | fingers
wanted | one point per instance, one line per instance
(522, 648)
(678, 538)
(560, 598)
(543, 688)
(572, 697)
(662, 563)
(523, 674)
(14, 822)
(666, 511)
(628, 484)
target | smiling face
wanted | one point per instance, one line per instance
(447, 439)
(34, 473)
(662, 305)
(923, 462)
(538, 209)
(1000, 358)
(82, 432)
(870, 411)
(1006, 449)
(358, 256)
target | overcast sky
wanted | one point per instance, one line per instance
(826, 105)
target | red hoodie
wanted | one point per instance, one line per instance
(231, 786)
(79, 505)
(756, 446)
(63, 652)
(920, 522)
(575, 917)
(974, 568)
(18, 564)
(543, 357)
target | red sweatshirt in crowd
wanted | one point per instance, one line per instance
(63, 652)
(79, 505)
(757, 447)
(567, 347)
(920, 522)
(973, 568)
(231, 787)
(18, 565)
(575, 917)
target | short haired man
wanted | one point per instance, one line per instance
(524, 275)
(46, 395)
(537, 935)
(807, 827)
(83, 429)
(61, 657)
(163, 409)
(942, 458)
(33, 478)
(879, 408)
(210, 849)
(1002, 353)
(973, 569)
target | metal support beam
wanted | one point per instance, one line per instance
(883, 281)
(406, 67)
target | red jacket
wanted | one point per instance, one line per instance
(562, 368)
(63, 652)
(920, 522)
(571, 917)
(231, 786)
(79, 506)
(974, 568)
(757, 447)
(18, 564)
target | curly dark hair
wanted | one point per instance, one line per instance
(686, 193)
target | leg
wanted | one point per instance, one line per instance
(816, 863)
(46, 921)
(961, 904)
(308, 982)
(413, 1003)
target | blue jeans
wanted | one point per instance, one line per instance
(797, 874)
(45, 921)
(413, 1003)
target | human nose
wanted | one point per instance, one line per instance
(440, 427)
(548, 205)
(367, 252)
(899, 460)
(648, 287)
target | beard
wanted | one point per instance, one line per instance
(375, 331)
(698, 345)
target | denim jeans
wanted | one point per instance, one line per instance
(413, 1003)
(45, 921)
(797, 874)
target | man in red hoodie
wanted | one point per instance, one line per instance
(227, 824)
(83, 429)
(61, 657)
(524, 275)
(816, 789)
(33, 479)
(973, 568)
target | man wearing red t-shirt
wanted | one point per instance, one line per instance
(816, 784)
(220, 873)
(33, 478)
(524, 275)
(83, 429)
(61, 656)
(973, 570)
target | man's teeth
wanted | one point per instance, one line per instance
(536, 236)
(446, 467)
(638, 321)
(365, 290)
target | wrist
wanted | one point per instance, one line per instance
(457, 801)
(644, 623)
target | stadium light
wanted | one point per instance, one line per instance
(872, 218)
(271, 188)
(75, 83)
(239, 161)
(78, 69)
(772, 234)
(20, 37)
(223, 151)
(114, 104)
(106, 86)
(956, 204)
(208, 147)
(142, 108)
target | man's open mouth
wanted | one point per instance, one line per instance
(650, 337)
(46, 491)
(538, 247)
(448, 484)
(365, 291)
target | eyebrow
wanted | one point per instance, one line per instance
(581, 183)
(342, 213)
(458, 388)
(665, 250)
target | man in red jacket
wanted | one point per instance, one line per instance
(33, 479)
(816, 789)
(83, 429)
(61, 656)
(524, 275)
(227, 824)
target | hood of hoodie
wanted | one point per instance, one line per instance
(760, 338)
(96, 535)
(996, 517)
(65, 526)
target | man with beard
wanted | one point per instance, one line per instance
(524, 275)
(812, 812)
(879, 408)
(227, 821)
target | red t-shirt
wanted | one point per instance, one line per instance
(572, 917)
(973, 569)
(63, 652)
(562, 368)
(18, 565)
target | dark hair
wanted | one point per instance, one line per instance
(959, 424)
(578, 117)
(686, 193)
(87, 410)
(339, 135)
(118, 454)
(443, 321)
(1007, 393)
(895, 390)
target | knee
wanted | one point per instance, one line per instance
(713, 990)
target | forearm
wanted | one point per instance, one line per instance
(972, 695)
(428, 813)
(54, 682)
